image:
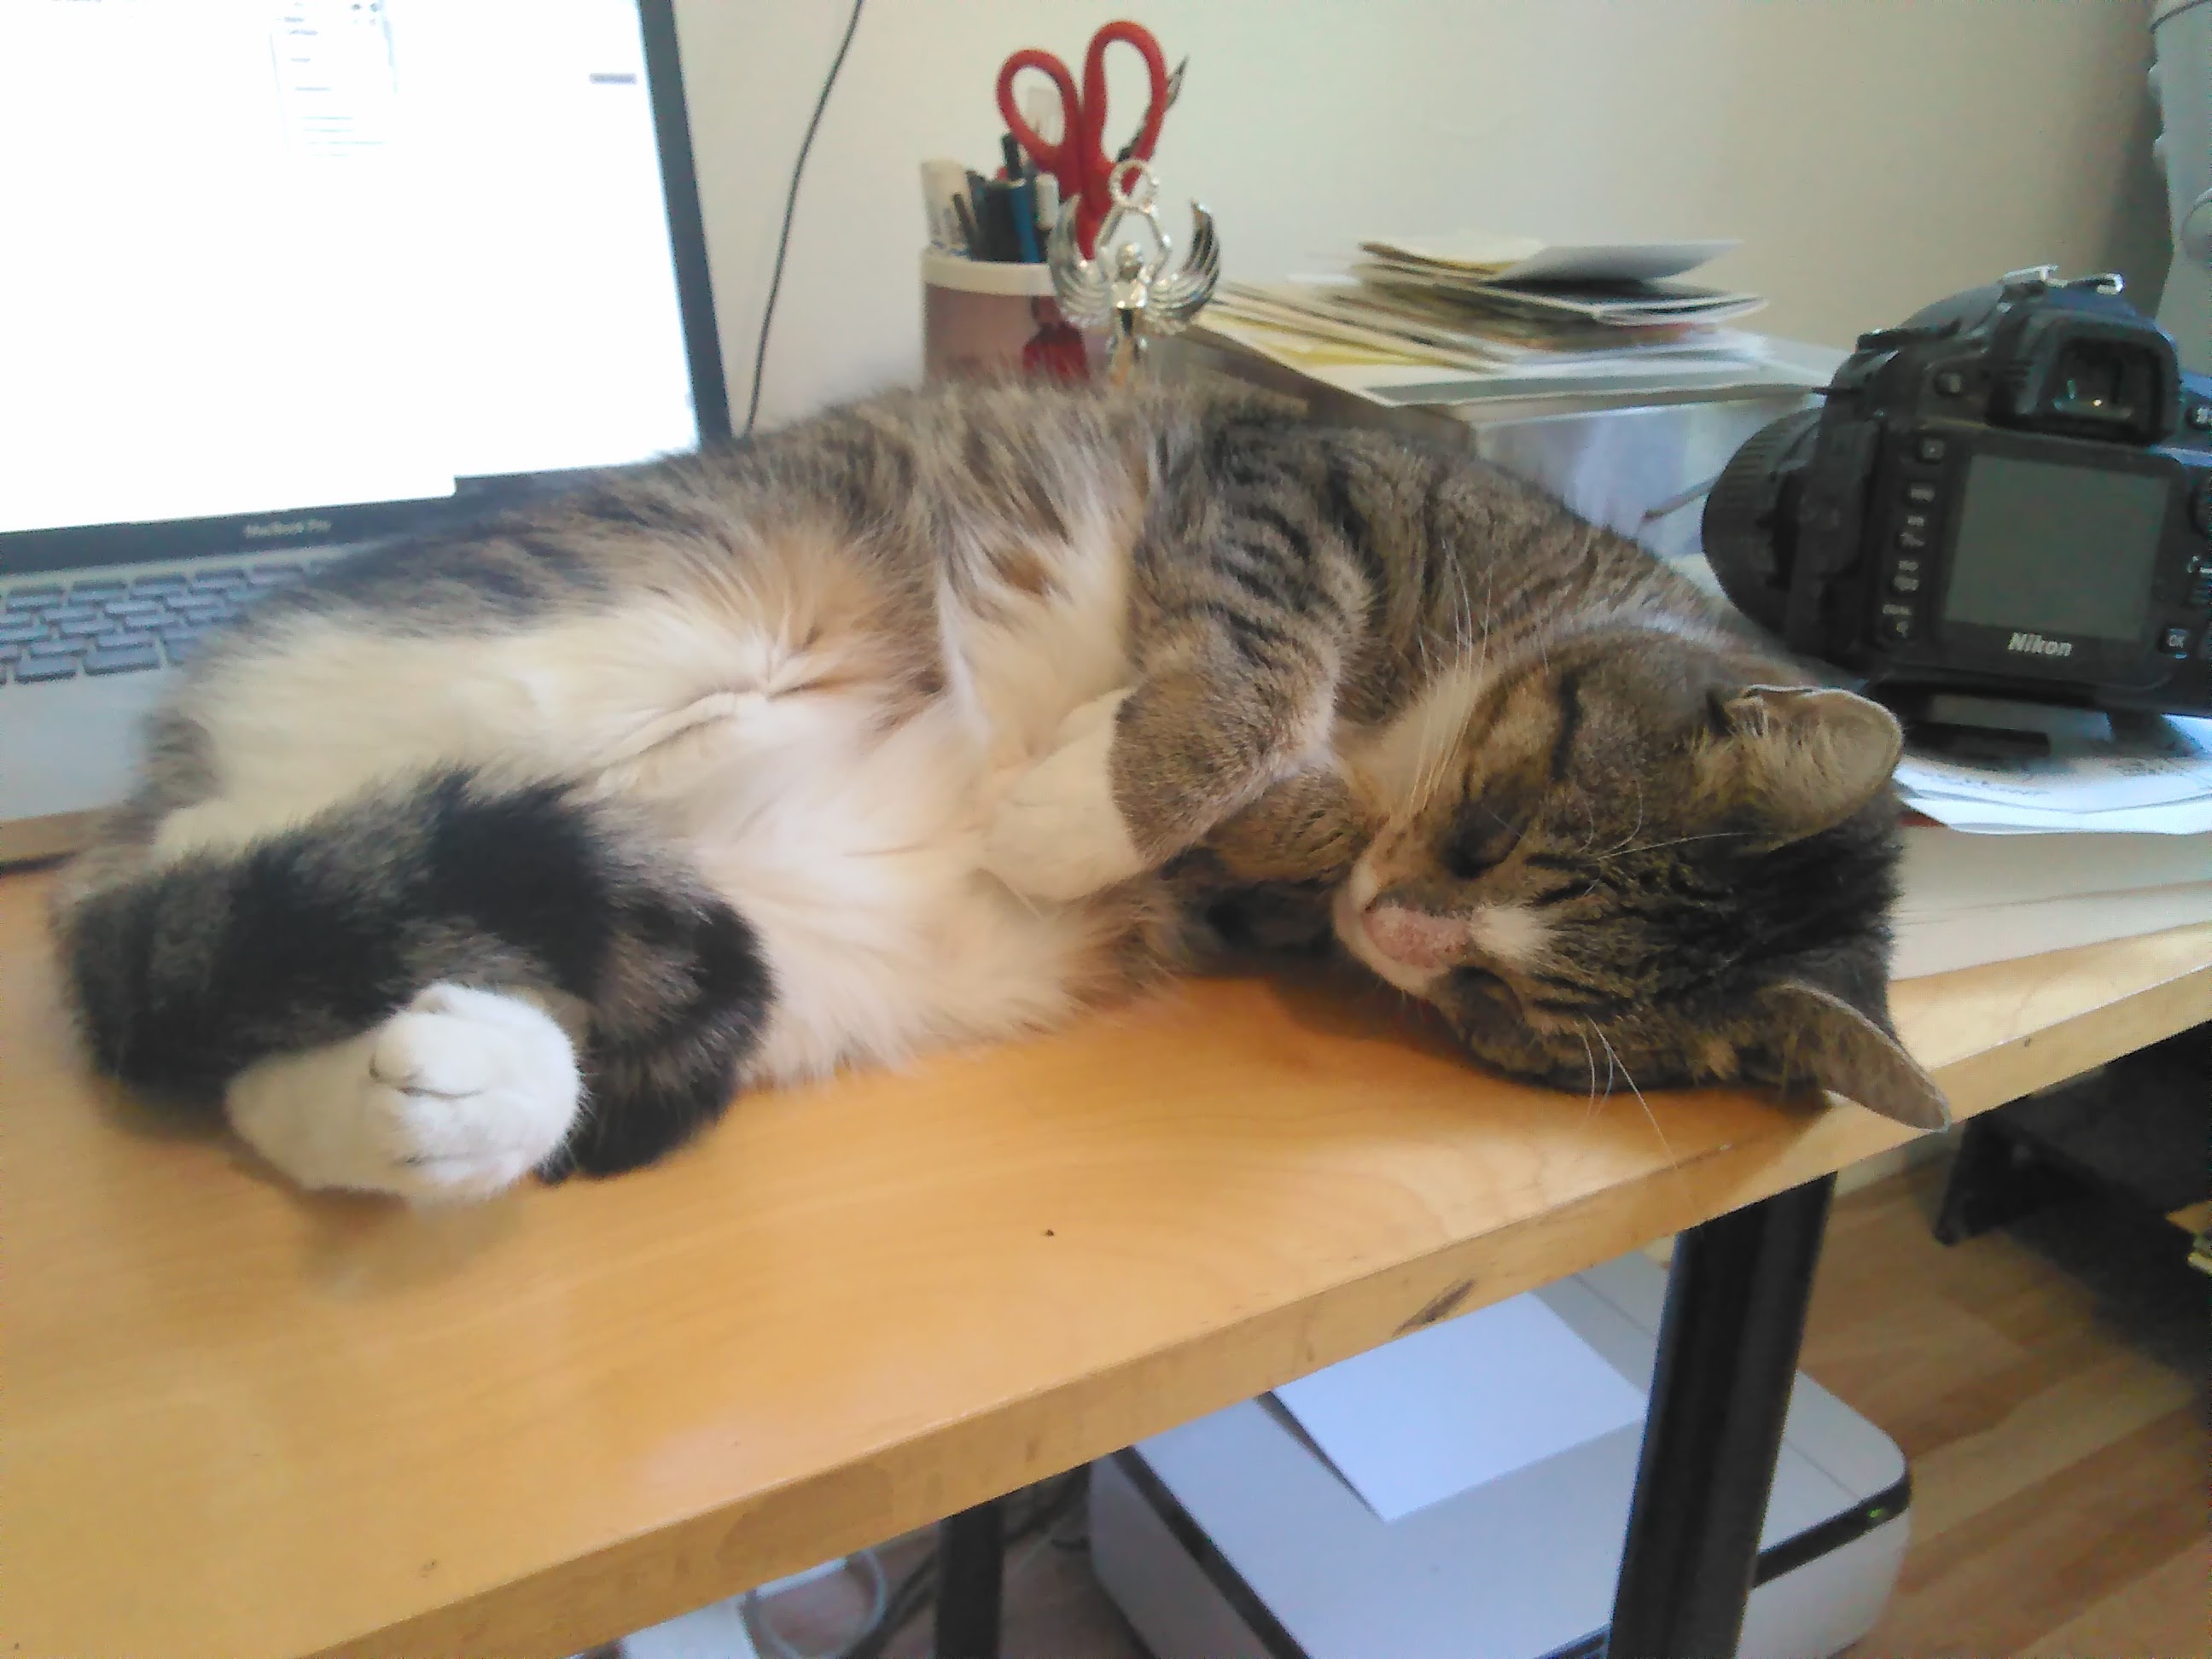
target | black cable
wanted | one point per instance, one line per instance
(790, 208)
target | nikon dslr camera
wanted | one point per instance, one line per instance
(2010, 493)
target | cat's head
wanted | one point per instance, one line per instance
(1637, 856)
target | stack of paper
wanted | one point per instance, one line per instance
(2146, 777)
(2108, 837)
(1472, 319)
(1620, 284)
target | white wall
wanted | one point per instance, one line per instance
(1873, 154)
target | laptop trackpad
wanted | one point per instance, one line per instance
(72, 745)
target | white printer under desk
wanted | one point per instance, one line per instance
(1233, 1538)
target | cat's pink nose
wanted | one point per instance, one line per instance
(1414, 937)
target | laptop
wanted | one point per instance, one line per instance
(290, 280)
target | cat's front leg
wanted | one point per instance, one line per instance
(1266, 877)
(1307, 828)
(1249, 619)
(1058, 833)
(1140, 775)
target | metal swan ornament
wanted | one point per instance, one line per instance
(1120, 289)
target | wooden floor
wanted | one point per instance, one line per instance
(2047, 1383)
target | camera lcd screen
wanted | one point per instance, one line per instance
(2065, 550)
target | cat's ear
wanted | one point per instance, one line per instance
(1798, 759)
(1807, 1034)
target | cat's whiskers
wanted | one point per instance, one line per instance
(1679, 841)
(1635, 831)
(1434, 755)
(1426, 745)
(1464, 629)
(1587, 843)
(1590, 1058)
(1650, 1116)
(1036, 910)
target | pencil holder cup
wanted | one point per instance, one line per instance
(984, 319)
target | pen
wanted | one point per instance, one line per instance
(1003, 228)
(1021, 209)
(979, 201)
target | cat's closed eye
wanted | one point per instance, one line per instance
(1480, 844)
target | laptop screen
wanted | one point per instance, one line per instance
(284, 273)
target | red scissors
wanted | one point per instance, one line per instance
(1079, 161)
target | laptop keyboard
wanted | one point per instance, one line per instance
(52, 632)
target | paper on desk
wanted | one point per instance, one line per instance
(1525, 260)
(1402, 320)
(1943, 872)
(1939, 941)
(1618, 304)
(1477, 250)
(2185, 817)
(1399, 378)
(1433, 1414)
(2150, 777)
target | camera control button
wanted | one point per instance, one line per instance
(1930, 450)
(1917, 522)
(2174, 641)
(1912, 541)
(1920, 494)
(1900, 623)
(1904, 581)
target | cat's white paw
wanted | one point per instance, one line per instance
(1057, 834)
(461, 1093)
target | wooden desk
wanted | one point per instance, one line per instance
(239, 1422)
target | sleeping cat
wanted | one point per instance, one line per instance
(936, 719)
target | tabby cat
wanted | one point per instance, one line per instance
(937, 718)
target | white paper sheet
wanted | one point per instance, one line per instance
(1944, 871)
(2186, 817)
(2151, 778)
(1431, 1415)
(1398, 382)
(1937, 942)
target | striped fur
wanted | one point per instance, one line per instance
(936, 719)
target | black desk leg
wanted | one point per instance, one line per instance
(1736, 1298)
(970, 1560)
